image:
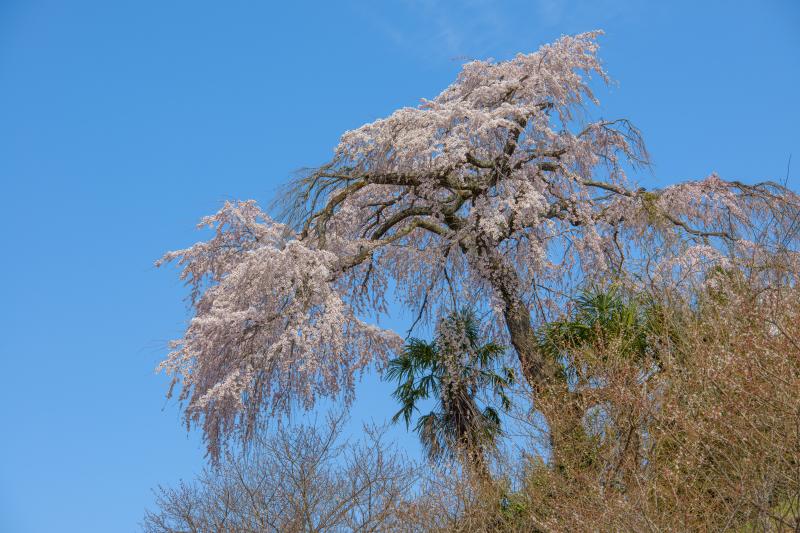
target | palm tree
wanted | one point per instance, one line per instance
(453, 370)
(605, 328)
(599, 317)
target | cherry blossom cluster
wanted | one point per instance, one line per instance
(269, 326)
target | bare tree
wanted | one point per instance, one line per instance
(301, 478)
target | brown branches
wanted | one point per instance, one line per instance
(302, 478)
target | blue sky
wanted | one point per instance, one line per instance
(121, 123)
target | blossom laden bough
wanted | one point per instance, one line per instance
(269, 325)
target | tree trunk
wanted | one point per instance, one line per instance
(536, 370)
(565, 423)
(477, 467)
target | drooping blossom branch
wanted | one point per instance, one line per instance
(269, 326)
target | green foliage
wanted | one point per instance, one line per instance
(600, 317)
(606, 323)
(453, 370)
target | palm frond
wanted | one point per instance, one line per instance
(433, 370)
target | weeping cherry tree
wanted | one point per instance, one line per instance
(499, 193)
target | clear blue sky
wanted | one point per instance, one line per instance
(121, 123)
